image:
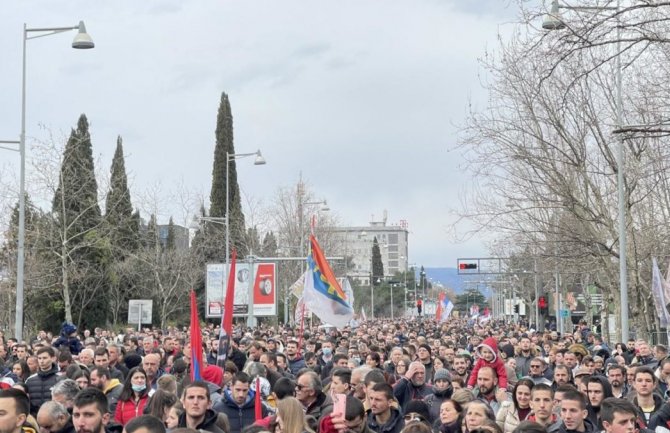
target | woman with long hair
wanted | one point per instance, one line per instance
(511, 413)
(133, 398)
(291, 417)
(160, 403)
(21, 370)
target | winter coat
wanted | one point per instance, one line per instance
(507, 417)
(559, 427)
(208, 424)
(394, 425)
(39, 387)
(435, 400)
(71, 343)
(323, 405)
(113, 392)
(497, 364)
(641, 417)
(67, 428)
(404, 391)
(129, 409)
(295, 365)
(660, 421)
(239, 416)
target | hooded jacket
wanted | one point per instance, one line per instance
(559, 427)
(641, 417)
(39, 387)
(113, 391)
(594, 412)
(394, 425)
(239, 416)
(497, 364)
(208, 424)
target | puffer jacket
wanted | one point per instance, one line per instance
(507, 417)
(129, 409)
(39, 387)
(239, 416)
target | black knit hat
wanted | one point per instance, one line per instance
(419, 407)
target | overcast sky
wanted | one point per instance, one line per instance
(361, 97)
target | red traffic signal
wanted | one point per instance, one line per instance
(463, 266)
(542, 302)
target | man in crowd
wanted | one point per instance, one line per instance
(294, 359)
(14, 410)
(597, 390)
(524, 356)
(111, 388)
(412, 385)
(646, 401)
(424, 355)
(574, 416)
(357, 382)
(237, 403)
(537, 368)
(90, 413)
(570, 361)
(340, 381)
(39, 385)
(64, 392)
(542, 405)
(487, 388)
(116, 358)
(101, 359)
(53, 417)
(86, 357)
(460, 368)
(616, 375)
(383, 417)
(151, 366)
(309, 392)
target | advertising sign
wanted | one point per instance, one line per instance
(264, 289)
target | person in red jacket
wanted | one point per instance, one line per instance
(133, 398)
(488, 357)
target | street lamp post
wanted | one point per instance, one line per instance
(258, 161)
(81, 41)
(553, 21)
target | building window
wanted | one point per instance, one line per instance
(393, 238)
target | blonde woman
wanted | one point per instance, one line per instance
(290, 417)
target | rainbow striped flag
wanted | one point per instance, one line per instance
(322, 293)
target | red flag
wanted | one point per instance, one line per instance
(227, 316)
(257, 400)
(438, 313)
(196, 341)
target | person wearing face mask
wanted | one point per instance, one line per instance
(133, 398)
(325, 361)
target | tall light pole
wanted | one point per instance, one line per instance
(554, 21)
(81, 41)
(230, 157)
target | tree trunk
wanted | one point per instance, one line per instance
(66, 283)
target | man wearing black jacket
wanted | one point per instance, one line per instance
(196, 414)
(574, 416)
(39, 384)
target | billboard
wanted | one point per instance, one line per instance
(264, 288)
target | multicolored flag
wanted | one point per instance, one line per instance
(658, 292)
(196, 341)
(322, 293)
(445, 306)
(227, 316)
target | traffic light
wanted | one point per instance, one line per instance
(543, 305)
(516, 309)
(464, 266)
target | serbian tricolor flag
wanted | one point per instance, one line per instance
(196, 341)
(227, 316)
(323, 294)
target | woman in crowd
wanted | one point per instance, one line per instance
(160, 403)
(172, 419)
(82, 377)
(475, 415)
(133, 398)
(21, 370)
(450, 417)
(511, 413)
(290, 417)
(373, 360)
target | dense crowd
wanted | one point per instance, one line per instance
(410, 376)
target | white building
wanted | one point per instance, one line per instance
(356, 242)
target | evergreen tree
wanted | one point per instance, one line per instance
(377, 265)
(123, 229)
(225, 146)
(151, 236)
(269, 245)
(170, 241)
(253, 241)
(80, 242)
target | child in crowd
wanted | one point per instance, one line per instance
(488, 357)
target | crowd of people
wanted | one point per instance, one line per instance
(409, 376)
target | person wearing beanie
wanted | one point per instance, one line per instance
(424, 354)
(417, 411)
(442, 390)
(488, 357)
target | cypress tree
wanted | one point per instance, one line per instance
(377, 265)
(170, 241)
(79, 241)
(224, 146)
(123, 231)
(269, 245)
(151, 236)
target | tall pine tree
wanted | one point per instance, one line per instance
(377, 265)
(224, 146)
(80, 241)
(123, 226)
